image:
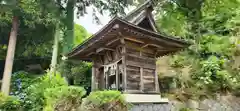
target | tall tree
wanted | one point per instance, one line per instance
(22, 11)
(10, 56)
(10, 52)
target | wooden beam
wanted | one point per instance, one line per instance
(91, 53)
(137, 64)
(141, 76)
(134, 40)
(104, 48)
(145, 45)
(156, 81)
(151, 20)
(93, 84)
(140, 57)
(111, 42)
(158, 46)
(109, 56)
(124, 69)
(117, 78)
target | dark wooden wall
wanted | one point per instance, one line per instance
(140, 66)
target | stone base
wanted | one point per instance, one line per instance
(147, 102)
(145, 98)
(151, 107)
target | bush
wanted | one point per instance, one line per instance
(104, 101)
(20, 82)
(9, 103)
(185, 109)
(64, 98)
(35, 100)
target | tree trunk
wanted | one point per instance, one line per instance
(10, 57)
(69, 38)
(55, 50)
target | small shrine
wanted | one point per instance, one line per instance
(124, 53)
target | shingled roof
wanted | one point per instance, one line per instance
(139, 22)
(142, 14)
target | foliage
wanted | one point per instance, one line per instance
(213, 28)
(79, 72)
(3, 49)
(20, 83)
(105, 100)
(34, 20)
(215, 45)
(64, 98)
(80, 34)
(35, 99)
(213, 75)
(173, 22)
(9, 103)
(185, 109)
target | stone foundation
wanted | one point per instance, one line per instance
(151, 107)
(147, 102)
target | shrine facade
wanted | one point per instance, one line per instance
(124, 53)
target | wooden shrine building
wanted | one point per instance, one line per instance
(124, 53)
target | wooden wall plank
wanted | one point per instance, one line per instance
(139, 64)
(149, 79)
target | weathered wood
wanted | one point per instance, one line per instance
(139, 64)
(109, 56)
(141, 79)
(124, 64)
(104, 48)
(148, 55)
(91, 53)
(93, 79)
(132, 51)
(141, 76)
(112, 41)
(149, 79)
(156, 82)
(141, 60)
(141, 57)
(137, 47)
(117, 78)
(101, 79)
(152, 22)
(134, 40)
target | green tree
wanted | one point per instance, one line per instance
(11, 50)
(80, 34)
(212, 27)
(29, 14)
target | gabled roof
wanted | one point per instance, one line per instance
(139, 23)
(100, 38)
(142, 15)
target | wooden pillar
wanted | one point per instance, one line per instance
(117, 77)
(156, 80)
(141, 76)
(93, 84)
(124, 64)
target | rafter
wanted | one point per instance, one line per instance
(104, 48)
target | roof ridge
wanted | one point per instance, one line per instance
(139, 8)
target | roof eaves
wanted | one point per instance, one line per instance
(163, 36)
(72, 53)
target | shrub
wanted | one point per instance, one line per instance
(20, 82)
(9, 103)
(35, 99)
(185, 109)
(104, 101)
(64, 98)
